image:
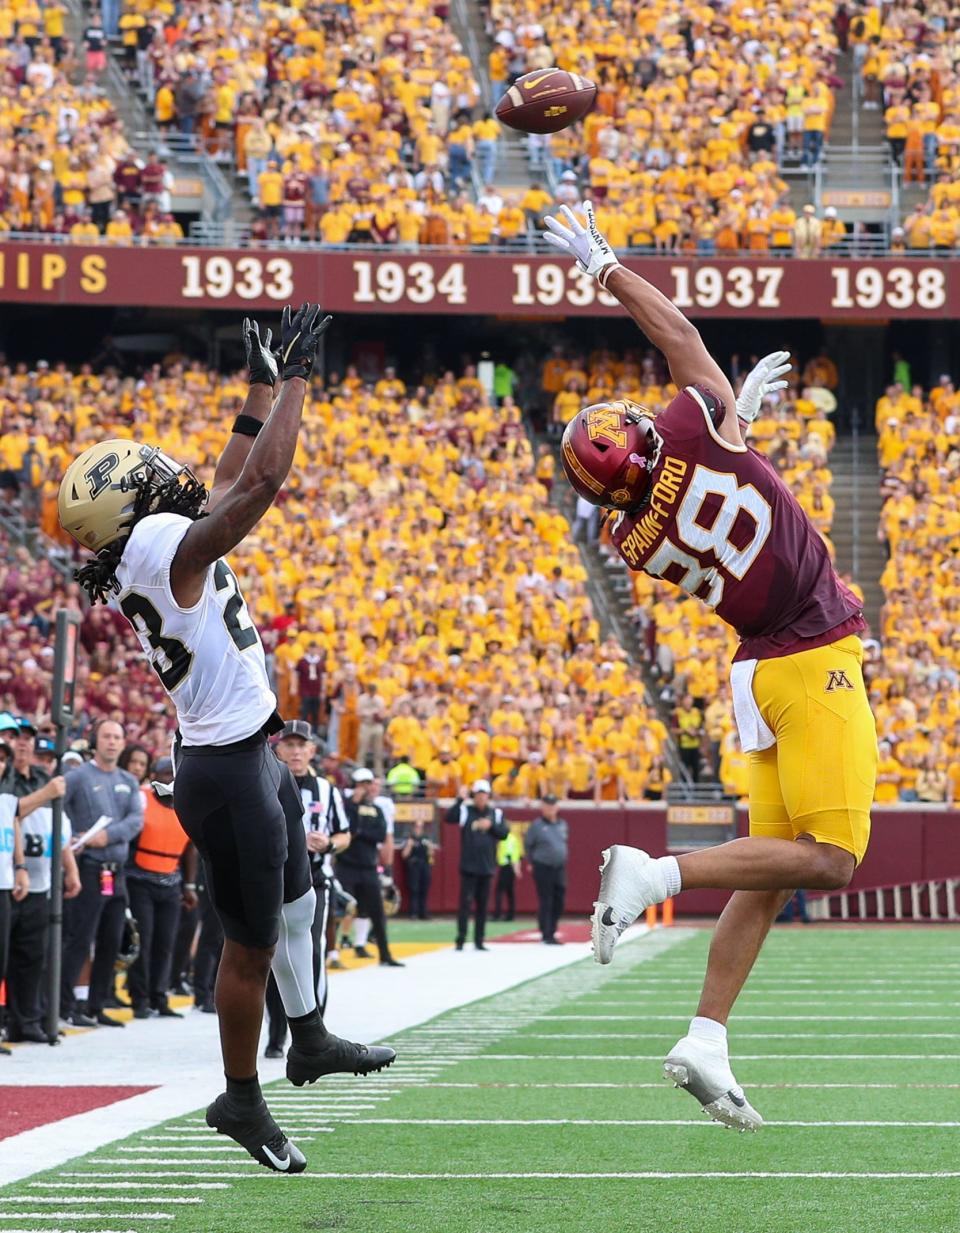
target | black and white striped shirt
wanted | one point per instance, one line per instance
(323, 811)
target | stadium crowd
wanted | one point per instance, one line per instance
(365, 124)
(694, 116)
(914, 676)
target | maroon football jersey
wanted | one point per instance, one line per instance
(722, 525)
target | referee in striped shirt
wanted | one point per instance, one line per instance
(328, 833)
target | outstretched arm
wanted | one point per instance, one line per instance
(266, 468)
(262, 366)
(689, 361)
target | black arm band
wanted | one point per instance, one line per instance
(248, 425)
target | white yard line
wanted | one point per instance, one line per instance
(593, 1121)
(328, 1178)
(129, 1186)
(643, 1017)
(740, 1057)
(85, 1215)
(59, 1198)
(808, 1035)
(494, 1086)
(863, 983)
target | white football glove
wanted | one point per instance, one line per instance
(763, 380)
(585, 244)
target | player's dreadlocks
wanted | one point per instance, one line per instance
(182, 494)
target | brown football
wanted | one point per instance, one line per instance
(546, 101)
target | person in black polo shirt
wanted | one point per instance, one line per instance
(481, 827)
(357, 867)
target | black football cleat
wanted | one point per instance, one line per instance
(335, 1057)
(256, 1131)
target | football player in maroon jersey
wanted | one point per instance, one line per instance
(699, 508)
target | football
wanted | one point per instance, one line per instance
(546, 101)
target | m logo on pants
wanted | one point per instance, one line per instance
(836, 679)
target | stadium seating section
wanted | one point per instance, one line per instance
(364, 122)
(914, 681)
(414, 546)
(693, 116)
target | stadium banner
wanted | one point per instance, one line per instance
(508, 284)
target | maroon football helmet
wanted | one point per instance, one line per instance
(609, 452)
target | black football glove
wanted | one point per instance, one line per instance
(261, 361)
(300, 335)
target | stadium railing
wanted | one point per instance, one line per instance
(460, 12)
(225, 233)
(934, 900)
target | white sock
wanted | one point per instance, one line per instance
(293, 959)
(708, 1029)
(333, 955)
(361, 930)
(671, 873)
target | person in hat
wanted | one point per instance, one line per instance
(157, 888)
(481, 825)
(546, 846)
(807, 233)
(327, 830)
(357, 866)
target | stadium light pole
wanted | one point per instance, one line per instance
(64, 682)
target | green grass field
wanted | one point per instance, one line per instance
(543, 1111)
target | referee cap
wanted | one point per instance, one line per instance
(362, 775)
(299, 728)
(481, 785)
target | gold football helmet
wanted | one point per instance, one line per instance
(98, 493)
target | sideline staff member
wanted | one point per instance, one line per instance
(156, 889)
(327, 834)
(546, 845)
(94, 790)
(357, 867)
(481, 826)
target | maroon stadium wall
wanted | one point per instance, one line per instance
(909, 845)
(498, 284)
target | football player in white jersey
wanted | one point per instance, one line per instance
(160, 540)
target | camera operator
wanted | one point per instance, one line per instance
(31, 914)
(328, 834)
(23, 926)
(357, 867)
(481, 826)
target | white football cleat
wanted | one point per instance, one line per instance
(703, 1069)
(630, 881)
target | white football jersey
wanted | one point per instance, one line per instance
(209, 657)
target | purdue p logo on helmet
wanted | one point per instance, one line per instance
(609, 452)
(98, 493)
